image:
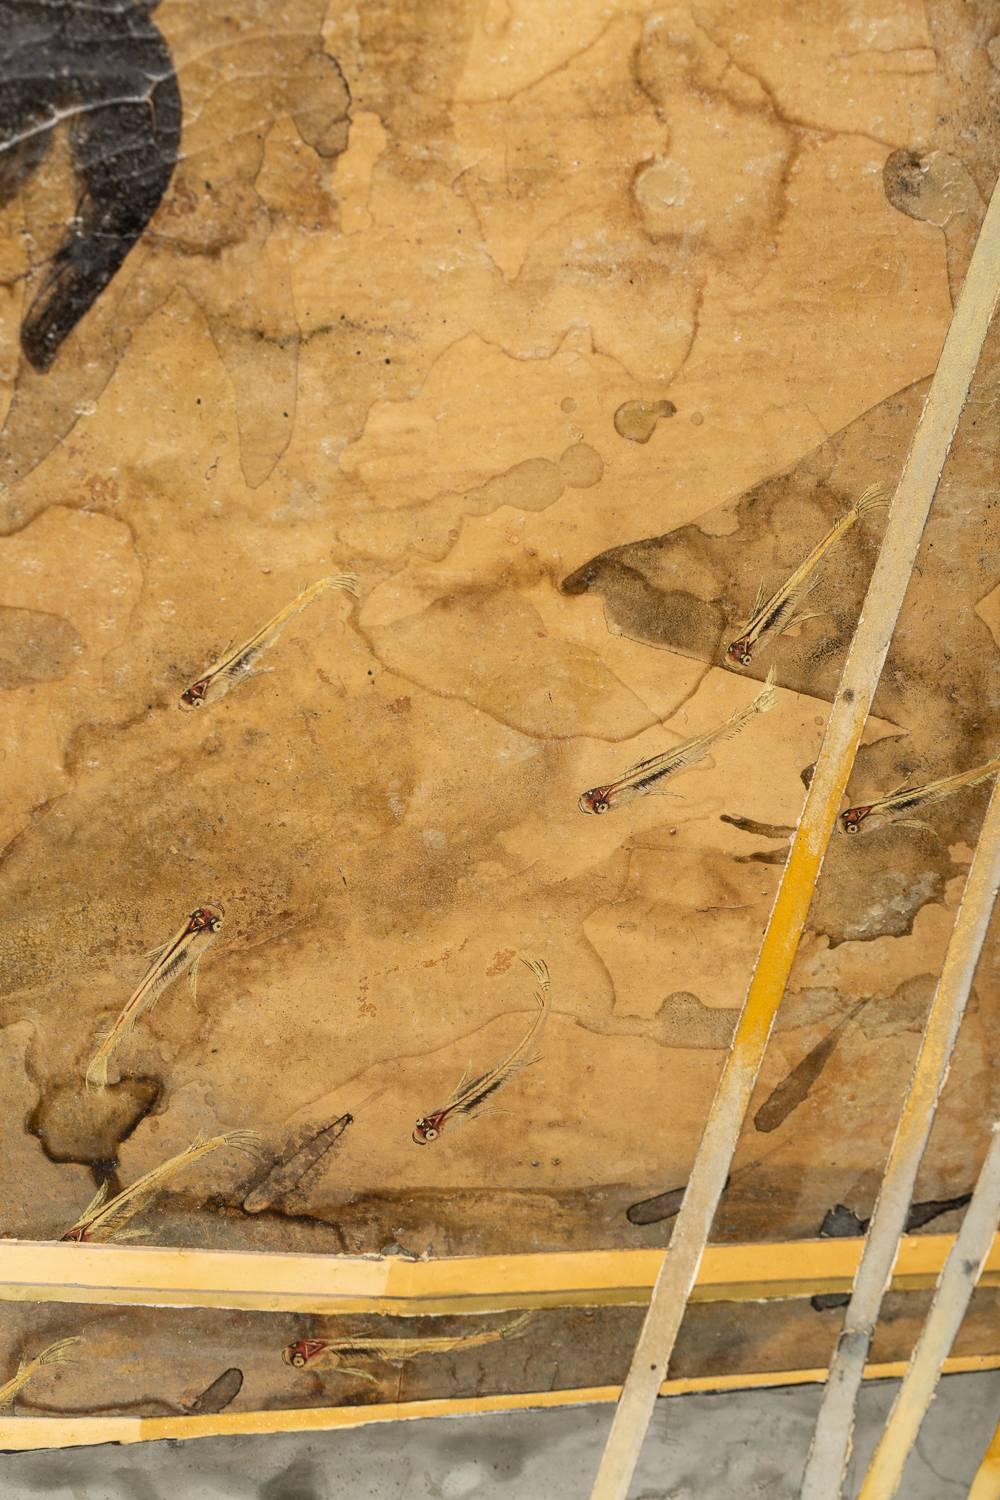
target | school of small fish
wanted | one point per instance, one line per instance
(107, 1217)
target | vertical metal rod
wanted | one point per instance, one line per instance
(954, 1290)
(866, 656)
(831, 1445)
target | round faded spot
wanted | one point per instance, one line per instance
(463, 1480)
(636, 420)
(581, 466)
(661, 192)
(568, 404)
(932, 187)
(35, 647)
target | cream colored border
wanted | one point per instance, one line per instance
(21, 1434)
(141, 1276)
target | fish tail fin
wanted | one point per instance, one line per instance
(540, 969)
(872, 498)
(200, 1146)
(97, 1202)
(96, 1076)
(741, 717)
(247, 1141)
(58, 1353)
(977, 777)
(514, 1329)
(192, 979)
(356, 1370)
(765, 699)
(345, 581)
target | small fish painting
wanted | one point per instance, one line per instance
(238, 663)
(651, 775)
(105, 1218)
(180, 954)
(771, 616)
(472, 1095)
(289, 1172)
(905, 800)
(335, 1353)
(56, 1354)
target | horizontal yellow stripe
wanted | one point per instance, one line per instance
(20, 1434)
(143, 1276)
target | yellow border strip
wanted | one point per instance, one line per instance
(831, 1444)
(986, 1485)
(23, 1434)
(865, 658)
(951, 1300)
(142, 1276)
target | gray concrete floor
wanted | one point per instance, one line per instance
(746, 1446)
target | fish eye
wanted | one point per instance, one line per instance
(600, 806)
(745, 658)
(215, 924)
(431, 1134)
(850, 826)
(298, 1360)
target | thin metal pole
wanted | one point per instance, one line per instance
(958, 1282)
(866, 656)
(831, 1445)
(986, 1485)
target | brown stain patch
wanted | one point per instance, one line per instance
(904, 1010)
(875, 889)
(637, 420)
(648, 596)
(75, 1124)
(35, 647)
(532, 485)
(932, 186)
(684, 1021)
(581, 466)
(662, 616)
